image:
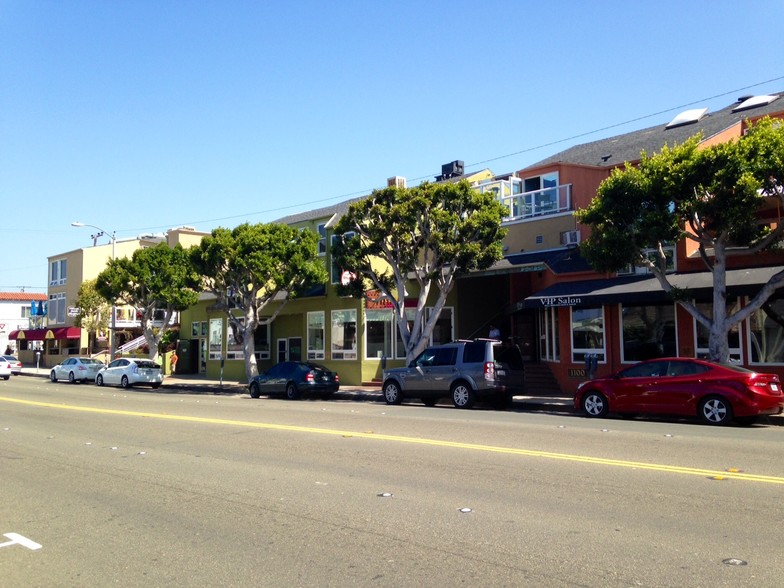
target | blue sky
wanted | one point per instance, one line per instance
(138, 116)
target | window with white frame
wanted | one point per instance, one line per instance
(588, 333)
(315, 335)
(216, 338)
(261, 341)
(652, 255)
(766, 333)
(549, 349)
(322, 244)
(344, 334)
(379, 333)
(702, 334)
(443, 329)
(56, 309)
(648, 331)
(58, 272)
(234, 348)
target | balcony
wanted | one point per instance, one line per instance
(538, 203)
(527, 205)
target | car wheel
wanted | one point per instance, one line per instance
(429, 401)
(392, 393)
(53, 376)
(254, 390)
(462, 395)
(594, 404)
(99, 380)
(71, 378)
(6, 377)
(714, 410)
(292, 393)
(156, 386)
(124, 383)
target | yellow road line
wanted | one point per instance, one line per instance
(722, 474)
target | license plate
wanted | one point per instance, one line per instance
(501, 372)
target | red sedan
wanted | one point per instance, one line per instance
(716, 393)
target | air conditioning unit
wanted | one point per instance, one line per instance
(570, 238)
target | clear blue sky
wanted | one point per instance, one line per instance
(137, 116)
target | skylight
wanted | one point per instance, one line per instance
(754, 102)
(687, 117)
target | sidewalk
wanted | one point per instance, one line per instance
(199, 384)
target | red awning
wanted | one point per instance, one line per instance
(41, 334)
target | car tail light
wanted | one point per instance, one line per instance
(489, 370)
(310, 378)
(337, 378)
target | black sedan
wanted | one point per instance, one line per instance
(294, 378)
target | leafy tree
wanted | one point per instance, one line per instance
(93, 311)
(430, 234)
(714, 196)
(250, 266)
(158, 278)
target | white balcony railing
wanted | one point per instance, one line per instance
(523, 205)
(538, 202)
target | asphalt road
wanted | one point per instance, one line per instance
(145, 489)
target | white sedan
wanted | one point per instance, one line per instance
(5, 369)
(76, 369)
(131, 371)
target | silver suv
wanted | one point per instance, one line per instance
(467, 371)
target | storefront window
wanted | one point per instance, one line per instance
(235, 349)
(316, 335)
(344, 334)
(380, 327)
(703, 334)
(648, 332)
(766, 333)
(216, 338)
(442, 331)
(261, 341)
(587, 333)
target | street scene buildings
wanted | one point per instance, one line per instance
(542, 296)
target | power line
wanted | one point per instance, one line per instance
(478, 163)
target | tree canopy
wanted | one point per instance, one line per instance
(93, 311)
(428, 234)
(255, 265)
(727, 198)
(156, 278)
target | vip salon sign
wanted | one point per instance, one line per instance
(561, 300)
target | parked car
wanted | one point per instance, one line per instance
(293, 378)
(76, 369)
(130, 371)
(5, 368)
(715, 393)
(16, 365)
(466, 371)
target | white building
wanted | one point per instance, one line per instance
(15, 314)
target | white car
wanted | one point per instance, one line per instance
(131, 371)
(76, 369)
(5, 369)
(16, 365)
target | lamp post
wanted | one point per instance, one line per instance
(112, 335)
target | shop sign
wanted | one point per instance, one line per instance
(561, 300)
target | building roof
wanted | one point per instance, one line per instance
(617, 150)
(22, 296)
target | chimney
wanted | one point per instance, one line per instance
(396, 182)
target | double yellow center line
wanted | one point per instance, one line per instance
(638, 465)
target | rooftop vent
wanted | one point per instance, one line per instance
(754, 101)
(451, 170)
(687, 117)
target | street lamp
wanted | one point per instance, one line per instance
(112, 335)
